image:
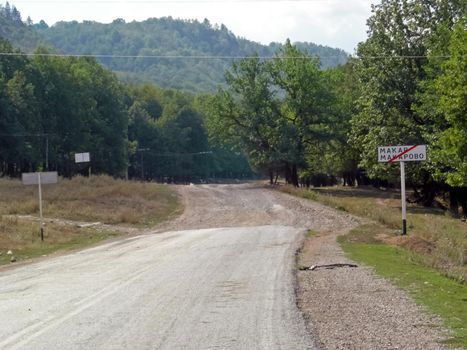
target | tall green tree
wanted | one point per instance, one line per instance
(399, 66)
(306, 108)
(247, 114)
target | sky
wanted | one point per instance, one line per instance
(335, 23)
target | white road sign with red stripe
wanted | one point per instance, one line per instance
(413, 153)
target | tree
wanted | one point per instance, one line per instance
(306, 111)
(400, 66)
(450, 149)
(246, 114)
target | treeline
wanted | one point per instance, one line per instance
(407, 85)
(16, 30)
(180, 39)
(54, 107)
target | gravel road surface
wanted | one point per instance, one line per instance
(203, 289)
(221, 276)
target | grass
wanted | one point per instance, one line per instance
(438, 293)
(430, 263)
(96, 199)
(99, 198)
(311, 233)
(436, 237)
(22, 238)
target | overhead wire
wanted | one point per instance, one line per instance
(19, 54)
(171, 1)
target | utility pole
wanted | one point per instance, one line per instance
(142, 150)
(47, 152)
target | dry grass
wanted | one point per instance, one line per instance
(22, 238)
(99, 198)
(437, 239)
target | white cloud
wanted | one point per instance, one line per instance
(336, 23)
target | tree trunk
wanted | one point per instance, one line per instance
(453, 202)
(294, 176)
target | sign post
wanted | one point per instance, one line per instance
(402, 154)
(404, 202)
(38, 179)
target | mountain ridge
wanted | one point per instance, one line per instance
(166, 51)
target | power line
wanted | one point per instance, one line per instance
(23, 134)
(152, 56)
(168, 1)
(207, 57)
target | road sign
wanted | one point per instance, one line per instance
(49, 177)
(82, 157)
(414, 153)
(39, 178)
(402, 154)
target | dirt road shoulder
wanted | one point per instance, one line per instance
(352, 308)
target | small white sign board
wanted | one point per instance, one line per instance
(414, 153)
(82, 157)
(49, 177)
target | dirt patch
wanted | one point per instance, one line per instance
(413, 243)
(211, 206)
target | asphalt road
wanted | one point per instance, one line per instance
(230, 288)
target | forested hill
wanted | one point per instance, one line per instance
(167, 37)
(12, 28)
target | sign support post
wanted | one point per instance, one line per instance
(39, 179)
(402, 154)
(404, 202)
(40, 206)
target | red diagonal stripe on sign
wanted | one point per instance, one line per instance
(401, 154)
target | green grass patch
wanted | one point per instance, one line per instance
(437, 237)
(438, 293)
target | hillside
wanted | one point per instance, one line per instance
(183, 41)
(12, 28)
(166, 37)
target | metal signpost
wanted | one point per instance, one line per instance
(39, 178)
(402, 154)
(83, 158)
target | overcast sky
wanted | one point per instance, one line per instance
(336, 23)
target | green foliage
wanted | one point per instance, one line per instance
(59, 107)
(278, 112)
(446, 95)
(166, 37)
(412, 72)
(389, 72)
(15, 31)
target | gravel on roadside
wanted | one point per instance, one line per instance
(352, 308)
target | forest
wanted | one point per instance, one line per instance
(282, 117)
(162, 51)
